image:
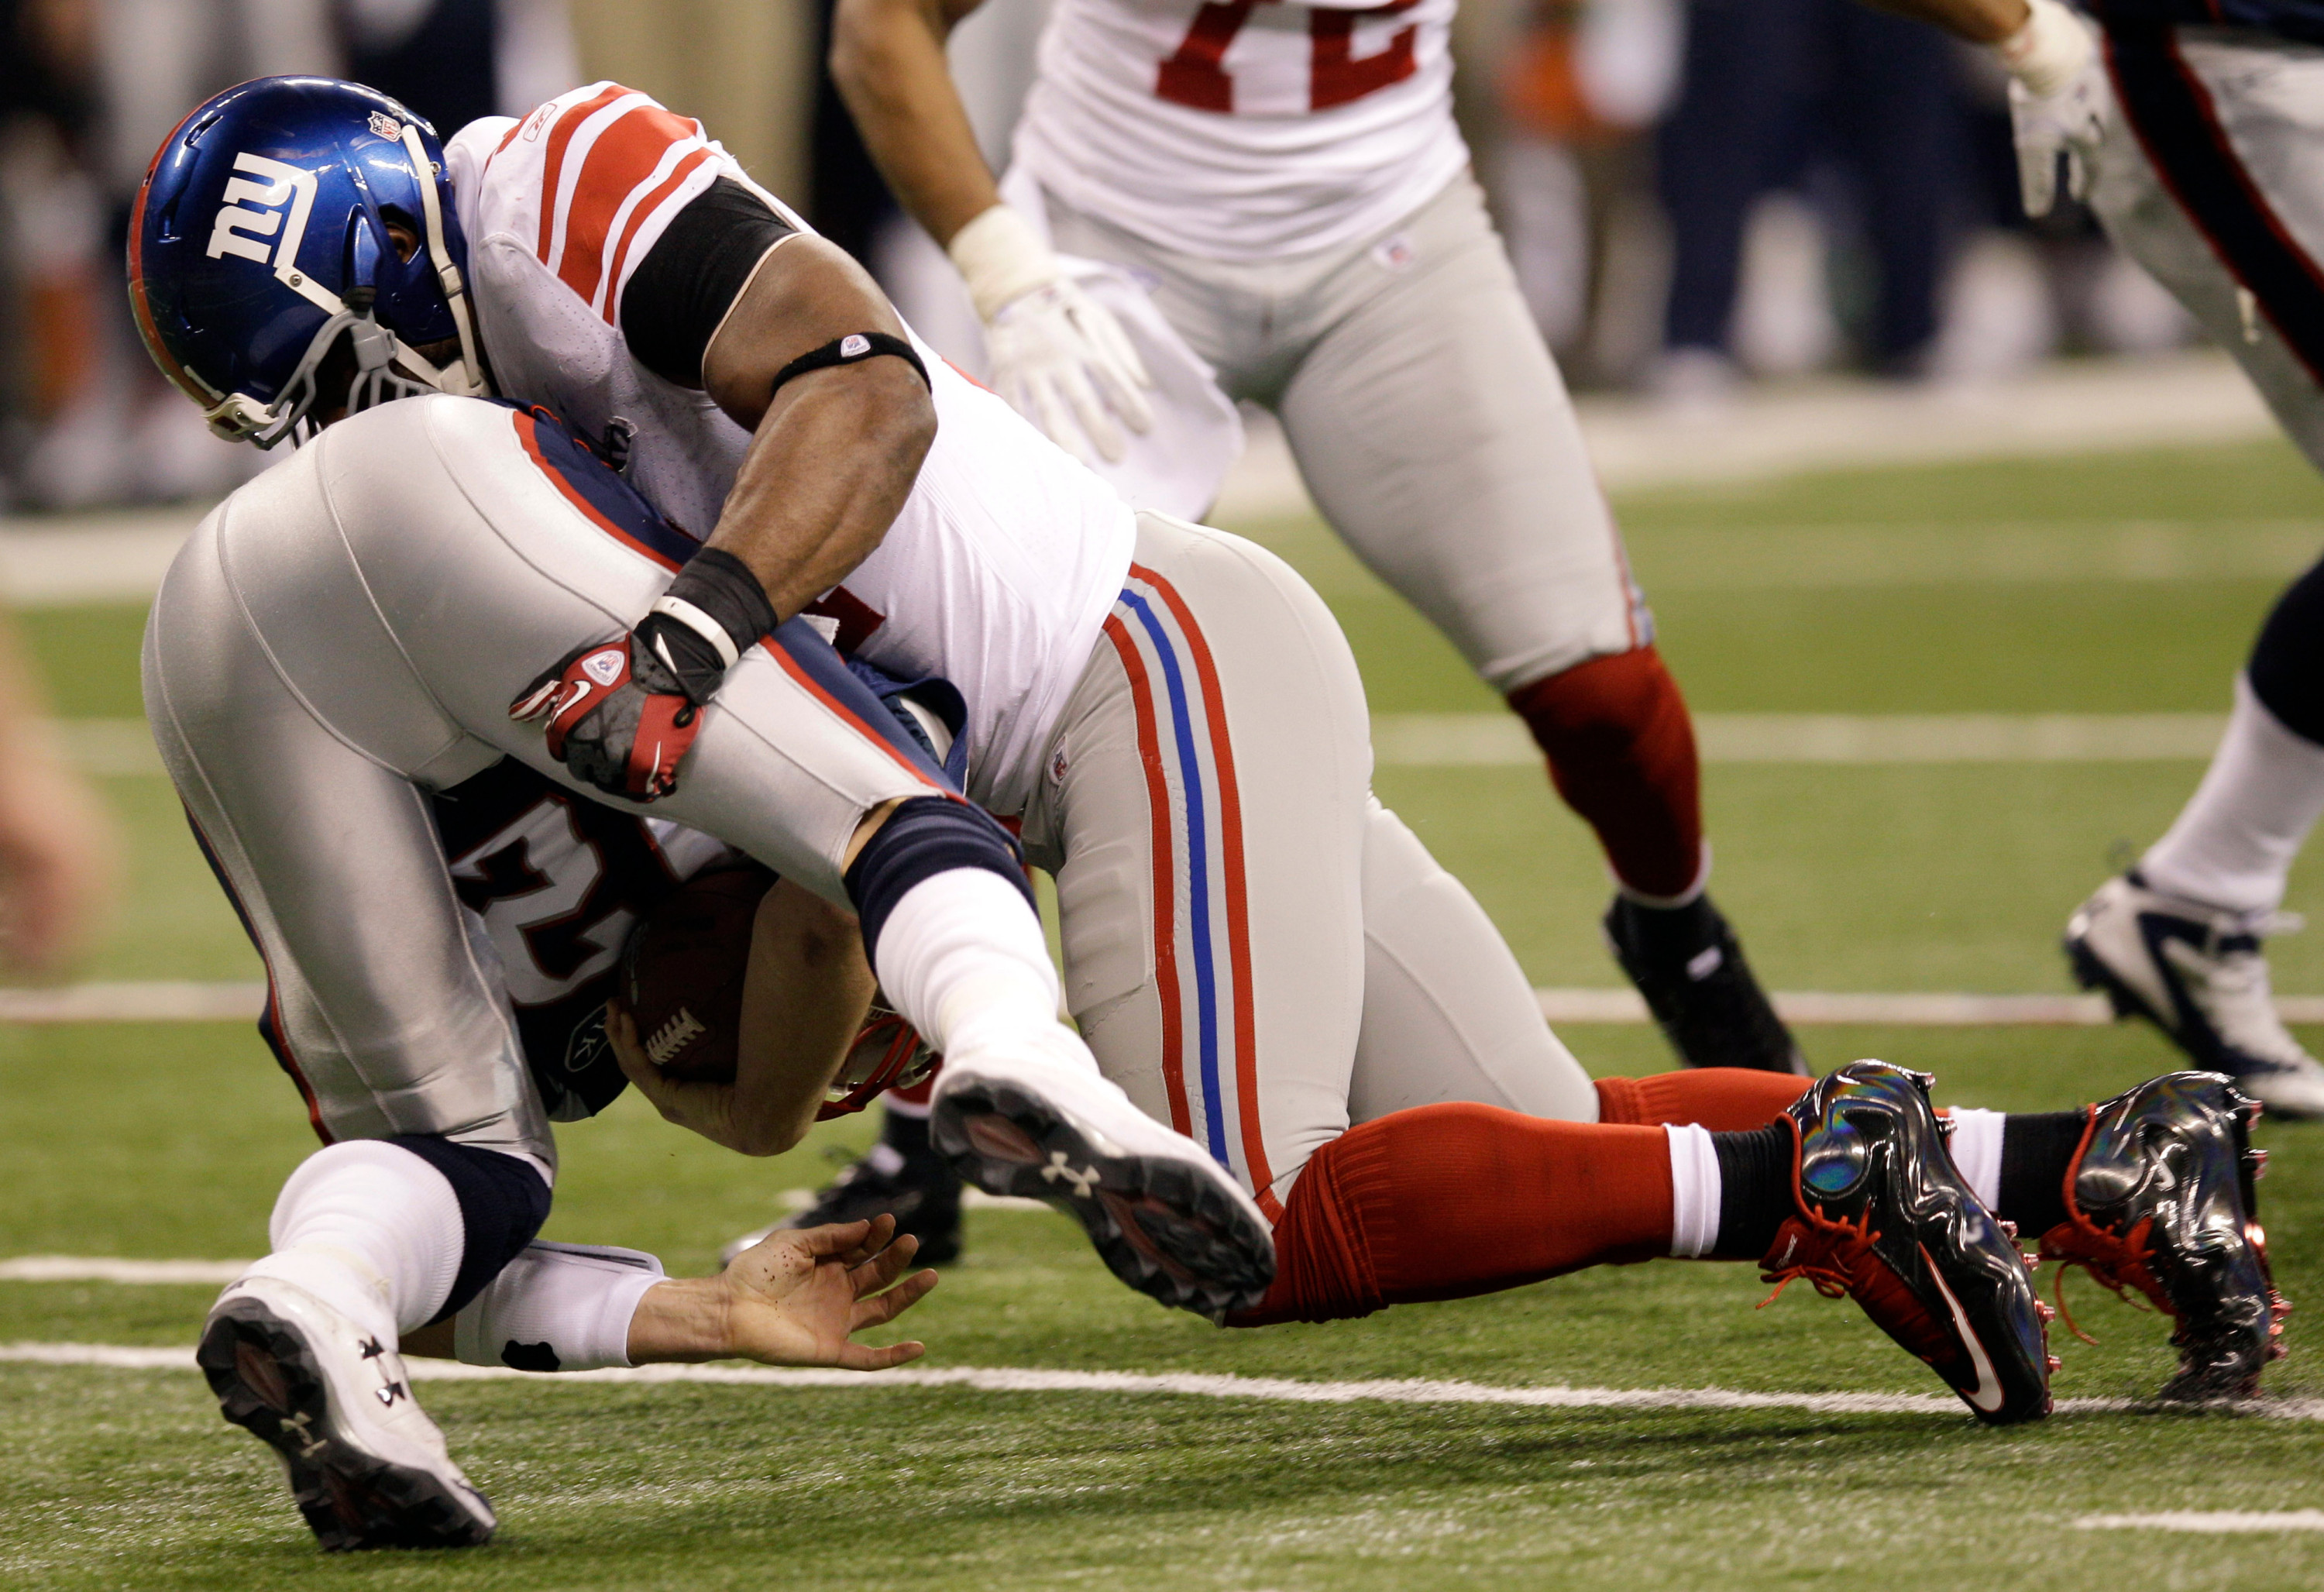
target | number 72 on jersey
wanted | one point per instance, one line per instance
(1198, 76)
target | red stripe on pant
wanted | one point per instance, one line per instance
(1165, 873)
(1230, 863)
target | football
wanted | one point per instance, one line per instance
(682, 972)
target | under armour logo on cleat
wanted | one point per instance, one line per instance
(372, 1348)
(298, 1426)
(1059, 1168)
(390, 1393)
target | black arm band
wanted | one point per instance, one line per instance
(848, 350)
(719, 586)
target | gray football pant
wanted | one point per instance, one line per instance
(345, 635)
(2268, 95)
(1427, 419)
(1256, 950)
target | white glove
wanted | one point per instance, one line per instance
(2058, 102)
(1053, 349)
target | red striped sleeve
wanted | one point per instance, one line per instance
(624, 156)
(568, 122)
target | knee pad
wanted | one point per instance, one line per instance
(923, 837)
(2287, 662)
(503, 1200)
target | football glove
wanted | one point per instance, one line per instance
(1058, 357)
(621, 714)
(616, 717)
(2058, 101)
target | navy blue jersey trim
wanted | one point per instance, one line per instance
(590, 484)
(2170, 111)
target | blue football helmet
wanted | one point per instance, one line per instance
(260, 240)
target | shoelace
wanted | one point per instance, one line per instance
(2099, 1254)
(1830, 1270)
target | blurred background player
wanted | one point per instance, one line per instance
(57, 849)
(1292, 180)
(2199, 146)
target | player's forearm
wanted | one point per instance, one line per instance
(1980, 22)
(826, 474)
(888, 60)
(804, 999)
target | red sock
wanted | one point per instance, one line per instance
(1621, 752)
(1724, 1099)
(1445, 1202)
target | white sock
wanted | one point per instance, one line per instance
(1694, 1191)
(556, 1307)
(962, 957)
(2233, 842)
(372, 1231)
(1975, 1149)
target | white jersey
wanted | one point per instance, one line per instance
(1244, 131)
(1006, 556)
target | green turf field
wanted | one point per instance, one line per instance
(2109, 585)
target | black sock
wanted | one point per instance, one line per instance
(1755, 1190)
(2036, 1149)
(1665, 936)
(907, 1136)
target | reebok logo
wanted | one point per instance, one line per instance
(251, 216)
(673, 1037)
(855, 346)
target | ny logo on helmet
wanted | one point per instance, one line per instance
(278, 183)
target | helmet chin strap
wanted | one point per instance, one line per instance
(447, 273)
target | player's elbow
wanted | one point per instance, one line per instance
(774, 1138)
(861, 34)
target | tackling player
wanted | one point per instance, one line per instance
(2196, 133)
(1290, 181)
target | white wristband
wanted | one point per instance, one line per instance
(1001, 259)
(701, 625)
(556, 1307)
(2050, 50)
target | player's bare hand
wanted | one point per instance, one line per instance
(798, 1297)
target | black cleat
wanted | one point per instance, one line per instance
(1882, 1217)
(2160, 1198)
(922, 1194)
(366, 1467)
(1164, 1217)
(1688, 964)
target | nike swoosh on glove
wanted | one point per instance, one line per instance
(617, 717)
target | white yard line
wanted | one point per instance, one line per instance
(238, 1002)
(1499, 740)
(1843, 423)
(2208, 1521)
(161, 1002)
(1183, 1384)
(104, 1268)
